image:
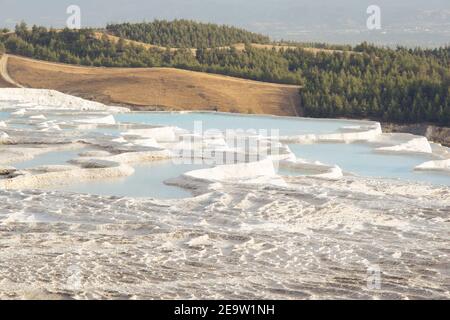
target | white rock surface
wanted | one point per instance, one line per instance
(321, 171)
(359, 133)
(435, 165)
(19, 112)
(240, 171)
(307, 238)
(55, 178)
(416, 145)
(38, 117)
(103, 120)
(53, 99)
(4, 137)
(160, 134)
(5, 170)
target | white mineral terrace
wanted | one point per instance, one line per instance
(247, 231)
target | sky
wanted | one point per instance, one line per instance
(407, 22)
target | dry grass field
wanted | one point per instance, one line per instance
(4, 84)
(114, 39)
(237, 46)
(157, 88)
(5, 79)
(241, 47)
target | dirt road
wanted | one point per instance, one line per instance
(4, 72)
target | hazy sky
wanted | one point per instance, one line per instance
(403, 21)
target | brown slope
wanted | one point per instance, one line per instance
(5, 79)
(162, 88)
(237, 46)
(5, 84)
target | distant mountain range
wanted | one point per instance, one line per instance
(406, 22)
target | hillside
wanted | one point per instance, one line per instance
(239, 46)
(5, 80)
(393, 85)
(5, 84)
(184, 34)
(159, 88)
(114, 39)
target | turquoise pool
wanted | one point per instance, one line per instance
(4, 115)
(50, 158)
(147, 181)
(286, 126)
(355, 158)
(361, 159)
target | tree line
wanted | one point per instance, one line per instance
(398, 85)
(184, 34)
(366, 81)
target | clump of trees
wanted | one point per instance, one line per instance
(399, 85)
(251, 63)
(184, 34)
(78, 47)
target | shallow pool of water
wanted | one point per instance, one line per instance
(361, 159)
(286, 126)
(354, 158)
(50, 158)
(147, 181)
(4, 115)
